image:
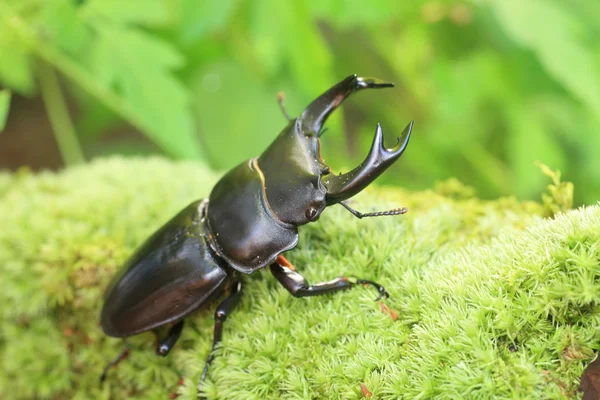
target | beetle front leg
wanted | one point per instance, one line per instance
(297, 285)
(221, 313)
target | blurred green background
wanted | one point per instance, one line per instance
(493, 85)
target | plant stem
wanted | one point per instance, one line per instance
(86, 81)
(56, 107)
(72, 71)
(4, 107)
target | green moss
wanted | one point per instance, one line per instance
(492, 300)
(559, 196)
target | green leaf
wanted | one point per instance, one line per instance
(62, 25)
(4, 107)
(154, 12)
(199, 19)
(552, 33)
(140, 67)
(346, 13)
(15, 66)
(587, 13)
(292, 41)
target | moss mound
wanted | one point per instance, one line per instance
(489, 299)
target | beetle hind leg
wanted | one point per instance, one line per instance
(115, 361)
(221, 313)
(164, 347)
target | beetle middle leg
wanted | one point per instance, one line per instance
(164, 347)
(297, 285)
(221, 313)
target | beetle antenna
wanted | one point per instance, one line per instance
(359, 215)
(281, 101)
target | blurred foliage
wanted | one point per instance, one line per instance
(494, 85)
(4, 103)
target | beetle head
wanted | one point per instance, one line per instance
(298, 184)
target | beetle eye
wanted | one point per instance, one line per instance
(311, 213)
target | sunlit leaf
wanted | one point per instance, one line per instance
(4, 107)
(154, 12)
(292, 41)
(346, 13)
(15, 63)
(141, 68)
(552, 33)
(200, 18)
(62, 25)
(587, 13)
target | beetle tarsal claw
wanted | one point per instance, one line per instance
(382, 292)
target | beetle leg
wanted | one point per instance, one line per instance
(380, 289)
(221, 313)
(163, 348)
(113, 363)
(297, 285)
(359, 215)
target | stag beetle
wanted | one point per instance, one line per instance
(250, 218)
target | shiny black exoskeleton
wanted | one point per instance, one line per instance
(250, 218)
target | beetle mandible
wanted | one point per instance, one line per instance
(250, 218)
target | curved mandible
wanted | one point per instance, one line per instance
(344, 186)
(314, 116)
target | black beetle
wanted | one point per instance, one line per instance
(250, 218)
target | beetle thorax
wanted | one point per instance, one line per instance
(291, 168)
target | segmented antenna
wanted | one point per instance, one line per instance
(359, 215)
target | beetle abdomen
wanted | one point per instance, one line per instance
(169, 276)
